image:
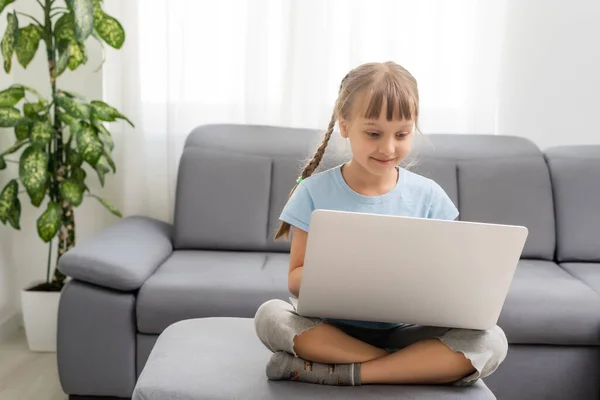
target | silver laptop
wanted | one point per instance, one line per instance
(384, 268)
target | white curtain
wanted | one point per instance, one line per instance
(279, 62)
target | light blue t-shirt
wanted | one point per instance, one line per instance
(413, 196)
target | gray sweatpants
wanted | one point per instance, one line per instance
(277, 324)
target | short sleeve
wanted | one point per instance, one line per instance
(298, 210)
(441, 207)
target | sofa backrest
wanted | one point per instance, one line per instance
(495, 179)
(234, 180)
(575, 172)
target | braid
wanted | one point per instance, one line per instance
(309, 169)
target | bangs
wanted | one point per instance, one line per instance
(400, 104)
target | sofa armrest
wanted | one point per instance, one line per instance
(122, 256)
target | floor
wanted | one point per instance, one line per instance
(25, 375)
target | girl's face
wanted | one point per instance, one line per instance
(378, 145)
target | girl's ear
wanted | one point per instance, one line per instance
(343, 128)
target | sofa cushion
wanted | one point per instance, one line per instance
(547, 305)
(588, 273)
(196, 284)
(513, 191)
(222, 358)
(575, 172)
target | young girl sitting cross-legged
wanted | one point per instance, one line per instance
(377, 111)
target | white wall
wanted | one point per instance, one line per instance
(24, 255)
(550, 81)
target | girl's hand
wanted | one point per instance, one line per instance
(297, 251)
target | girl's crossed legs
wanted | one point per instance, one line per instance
(347, 355)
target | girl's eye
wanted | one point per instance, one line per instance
(373, 134)
(401, 135)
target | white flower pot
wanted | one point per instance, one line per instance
(40, 314)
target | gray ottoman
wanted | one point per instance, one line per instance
(221, 358)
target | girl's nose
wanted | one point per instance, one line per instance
(387, 147)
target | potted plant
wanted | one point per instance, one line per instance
(58, 140)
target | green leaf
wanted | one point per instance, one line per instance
(110, 30)
(104, 112)
(4, 3)
(88, 144)
(22, 132)
(110, 162)
(49, 222)
(11, 96)
(74, 95)
(28, 43)
(74, 108)
(14, 215)
(41, 133)
(77, 55)
(84, 18)
(102, 169)
(31, 110)
(10, 117)
(33, 168)
(108, 206)
(14, 147)
(104, 134)
(9, 40)
(64, 28)
(7, 199)
(74, 159)
(64, 54)
(64, 31)
(98, 13)
(72, 123)
(78, 174)
(2, 163)
(72, 192)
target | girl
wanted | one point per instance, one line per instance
(377, 110)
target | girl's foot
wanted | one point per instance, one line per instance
(284, 366)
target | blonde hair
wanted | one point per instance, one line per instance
(383, 83)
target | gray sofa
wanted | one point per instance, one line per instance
(218, 259)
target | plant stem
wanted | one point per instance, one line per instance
(56, 146)
(29, 16)
(40, 3)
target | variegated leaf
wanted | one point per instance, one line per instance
(22, 132)
(41, 133)
(14, 214)
(10, 117)
(84, 19)
(11, 96)
(71, 191)
(74, 108)
(74, 158)
(33, 168)
(102, 169)
(31, 110)
(88, 144)
(49, 222)
(78, 174)
(110, 30)
(28, 43)
(9, 40)
(7, 198)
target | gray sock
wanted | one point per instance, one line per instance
(285, 366)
